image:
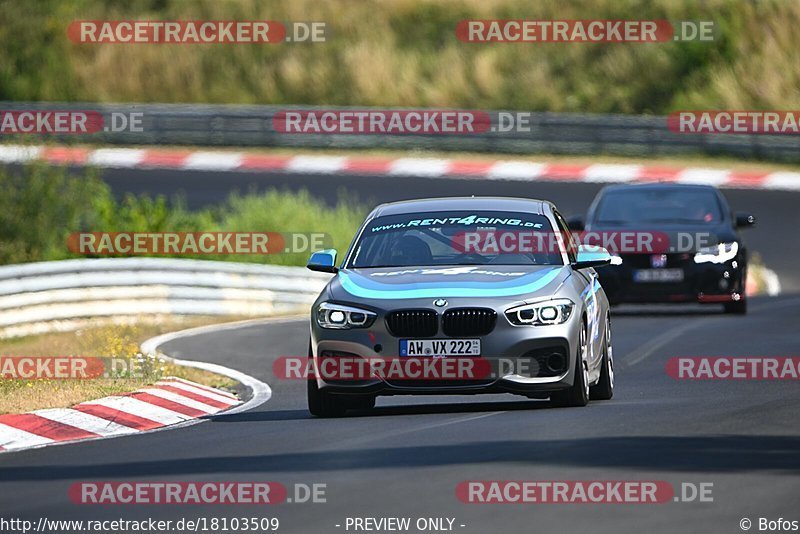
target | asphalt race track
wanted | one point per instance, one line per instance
(406, 457)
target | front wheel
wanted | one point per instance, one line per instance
(737, 307)
(578, 394)
(321, 403)
(604, 389)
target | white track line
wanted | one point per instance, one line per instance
(261, 392)
(15, 438)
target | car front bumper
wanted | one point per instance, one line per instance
(702, 282)
(522, 359)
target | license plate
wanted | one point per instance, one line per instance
(658, 275)
(440, 347)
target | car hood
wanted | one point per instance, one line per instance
(516, 282)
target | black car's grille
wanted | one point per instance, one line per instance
(644, 261)
(413, 323)
(468, 322)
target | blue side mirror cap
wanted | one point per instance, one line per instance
(323, 261)
(591, 256)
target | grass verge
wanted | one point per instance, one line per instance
(405, 53)
(117, 341)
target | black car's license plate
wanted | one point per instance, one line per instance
(658, 275)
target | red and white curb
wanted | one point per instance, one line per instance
(167, 402)
(399, 167)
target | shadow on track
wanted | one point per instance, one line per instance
(382, 411)
(723, 453)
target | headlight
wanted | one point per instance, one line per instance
(718, 253)
(546, 312)
(341, 317)
(616, 260)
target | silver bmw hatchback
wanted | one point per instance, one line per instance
(460, 296)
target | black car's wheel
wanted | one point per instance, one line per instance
(604, 389)
(738, 307)
(578, 394)
(320, 403)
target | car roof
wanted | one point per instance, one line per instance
(661, 186)
(529, 205)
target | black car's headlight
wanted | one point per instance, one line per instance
(546, 312)
(717, 253)
(338, 316)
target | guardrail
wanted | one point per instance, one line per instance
(552, 133)
(49, 296)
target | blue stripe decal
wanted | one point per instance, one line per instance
(592, 288)
(524, 284)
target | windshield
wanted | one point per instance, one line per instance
(456, 238)
(678, 206)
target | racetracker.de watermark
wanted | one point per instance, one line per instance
(583, 31)
(177, 493)
(195, 243)
(734, 368)
(377, 121)
(195, 32)
(356, 368)
(581, 492)
(735, 122)
(72, 367)
(533, 241)
(63, 122)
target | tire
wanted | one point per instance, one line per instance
(578, 393)
(320, 403)
(738, 307)
(360, 402)
(604, 389)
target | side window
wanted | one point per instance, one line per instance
(563, 229)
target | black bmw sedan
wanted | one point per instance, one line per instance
(670, 243)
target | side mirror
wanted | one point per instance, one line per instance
(743, 220)
(576, 223)
(323, 261)
(591, 256)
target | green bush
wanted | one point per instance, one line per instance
(276, 211)
(41, 206)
